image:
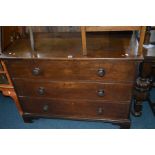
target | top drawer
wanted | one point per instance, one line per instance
(98, 70)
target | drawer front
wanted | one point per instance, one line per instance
(98, 70)
(75, 108)
(74, 90)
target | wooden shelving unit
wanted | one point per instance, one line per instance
(85, 29)
(96, 44)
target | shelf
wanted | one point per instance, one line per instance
(68, 45)
(85, 29)
(112, 28)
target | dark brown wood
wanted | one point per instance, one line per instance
(85, 29)
(75, 108)
(125, 125)
(115, 71)
(74, 90)
(62, 82)
(107, 45)
(9, 35)
(27, 119)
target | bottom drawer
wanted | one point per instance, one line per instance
(75, 109)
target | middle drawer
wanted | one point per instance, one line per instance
(74, 90)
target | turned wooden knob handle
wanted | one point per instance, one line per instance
(45, 107)
(100, 111)
(36, 71)
(101, 72)
(100, 92)
(41, 90)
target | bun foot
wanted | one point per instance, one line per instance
(125, 125)
(27, 119)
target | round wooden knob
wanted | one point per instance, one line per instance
(41, 90)
(36, 71)
(45, 108)
(100, 92)
(100, 111)
(101, 72)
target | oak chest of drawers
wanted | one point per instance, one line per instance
(74, 87)
(79, 89)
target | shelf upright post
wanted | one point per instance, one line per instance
(141, 41)
(31, 37)
(83, 36)
(34, 54)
